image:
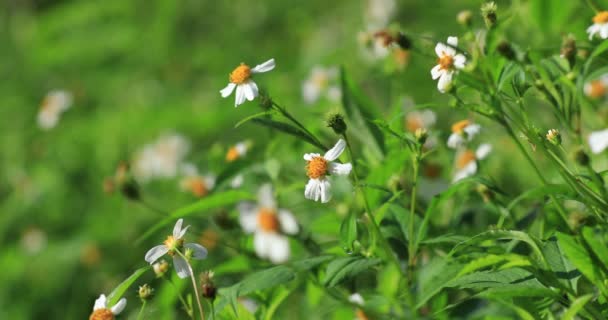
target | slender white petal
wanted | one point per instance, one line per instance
(356, 298)
(266, 197)
(310, 156)
(240, 95)
(279, 249)
(445, 82)
(288, 222)
(181, 267)
(466, 172)
(437, 72)
(155, 253)
(264, 67)
(227, 90)
(177, 229)
(341, 169)
(119, 306)
(325, 191)
(459, 61)
(254, 88)
(100, 303)
(472, 130)
(248, 216)
(483, 151)
(198, 252)
(261, 243)
(336, 151)
(440, 49)
(603, 31)
(453, 41)
(312, 189)
(598, 141)
(455, 140)
(248, 90)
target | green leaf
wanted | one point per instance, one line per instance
(538, 192)
(310, 263)
(343, 268)
(215, 200)
(596, 240)
(579, 257)
(120, 290)
(514, 282)
(601, 48)
(254, 116)
(562, 268)
(491, 260)
(288, 129)
(434, 277)
(348, 230)
(576, 306)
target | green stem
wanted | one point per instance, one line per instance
(196, 295)
(181, 299)
(141, 311)
(287, 115)
(412, 244)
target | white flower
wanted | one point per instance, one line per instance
(462, 131)
(598, 141)
(420, 119)
(320, 82)
(53, 105)
(599, 26)
(380, 12)
(161, 159)
(175, 247)
(237, 181)
(317, 169)
(356, 298)
(240, 79)
(102, 311)
(237, 151)
(268, 225)
(596, 88)
(466, 161)
(449, 60)
(373, 48)
(193, 182)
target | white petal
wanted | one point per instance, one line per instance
(341, 169)
(240, 95)
(209, 181)
(325, 191)
(119, 307)
(310, 92)
(155, 253)
(598, 141)
(198, 252)
(310, 156)
(288, 222)
(279, 249)
(440, 49)
(181, 267)
(445, 82)
(227, 90)
(604, 31)
(436, 72)
(261, 243)
(336, 151)
(177, 229)
(356, 298)
(248, 91)
(254, 88)
(453, 41)
(472, 130)
(592, 30)
(466, 172)
(237, 181)
(459, 61)
(101, 302)
(483, 151)
(312, 189)
(266, 197)
(248, 216)
(264, 67)
(189, 170)
(455, 140)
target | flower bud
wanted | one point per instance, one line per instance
(404, 41)
(554, 137)
(265, 100)
(568, 51)
(421, 135)
(145, 292)
(505, 50)
(130, 189)
(336, 122)
(465, 18)
(581, 157)
(486, 193)
(209, 290)
(488, 11)
(160, 268)
(576, 219)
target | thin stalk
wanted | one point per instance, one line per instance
(181, 299)
(287, 115)
(412, 244)
(141, 311)
(198, 299)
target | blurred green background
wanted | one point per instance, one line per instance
(139, 69)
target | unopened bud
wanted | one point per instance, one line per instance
(568, 51)
(145, 292)
(265, 100)
(488, 11)
(336, 122)
(160, 268)
(505, 50)
(404, 41)
(486, 193)
(421, 135)
(465, 18)
(554, 137)
(209, 290)
(576, 219)
(581, 157)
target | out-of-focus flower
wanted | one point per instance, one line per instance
(33, 240)
(321, 81)
(237, 151)
(488, 11)
(240, 79)
(101, 310)
(597, 88)
(161, 159)
(599, 26)
(318, 187)
(268, 225)
(195, 183)
(160, 268)
(447, 63)
(467, 161)
(598, 141)
(380, 12)
(53, 105)
(175, 247)
(420, 119)
(208, 288)
(465, 18)
(249, 304)
(90, 255)
(462, 131)
(358, 300)
(209, 239)
(373, 47)
(237, 181)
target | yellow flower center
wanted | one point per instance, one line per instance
(316, 168)
(268, 220)
(413, 123)
(464, 158)
(241, 74)
(445, 62)
(102, 314)
(597, 89)
(459, 126)
(173, 244)
(232, 154)
(198, 187)
(601, 17)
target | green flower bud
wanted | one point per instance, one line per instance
(465, 18)
(488, 11)
(421, 135)
(209, 291)
(505, 50)
(265, 100)
(336, 122)
(145, 292)
(554, 137)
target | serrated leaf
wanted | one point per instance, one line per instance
(579, 257)
(514, 282)
(434, 277)
(343, 268)
(597, 242)
(120, 290)
(562, 268)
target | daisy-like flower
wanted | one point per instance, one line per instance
(53, 105)
(462, 131)
(380, 12)
(373, 47)
(420, 119)
(240, 79)
(599, 26)
(467, 161)
(597, 88)
(268, 225)
(101, 310)
(447, 63)
(317, 169)
(598, 141)
(358, 300)
(161, 159)
(195, 183)
(175, 247)
(237, 151)
(321, 81)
